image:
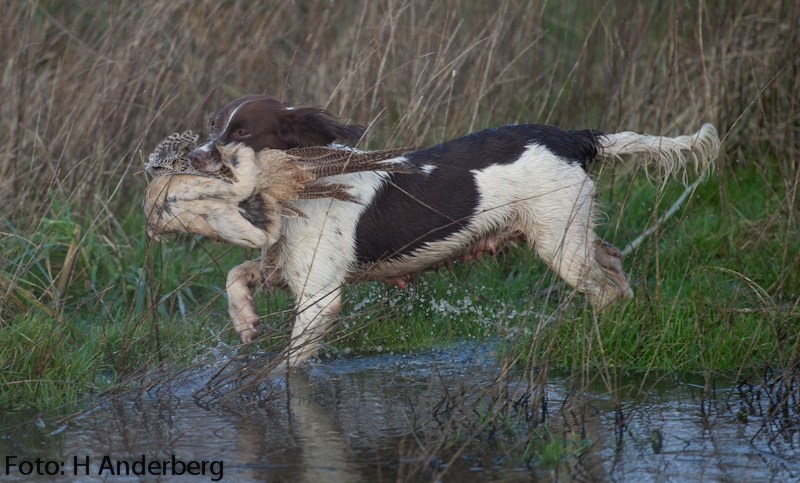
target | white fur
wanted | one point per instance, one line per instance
(206, 148)
(666, 153)
(556, 209)
(427, 168)
(317, 261)
(224, 128)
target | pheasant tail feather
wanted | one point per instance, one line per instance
(324, 161)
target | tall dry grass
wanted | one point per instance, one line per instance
(87, 86)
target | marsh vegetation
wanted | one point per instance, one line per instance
(91, 309)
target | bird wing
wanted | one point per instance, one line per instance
(171, 155)
(294, 174)
(325, 161)
(322, 189)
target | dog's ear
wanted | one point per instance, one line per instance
(304, 127)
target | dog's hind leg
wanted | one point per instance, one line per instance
(562, 233)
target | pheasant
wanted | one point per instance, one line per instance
(243, 202)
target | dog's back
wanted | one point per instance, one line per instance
(410, 211)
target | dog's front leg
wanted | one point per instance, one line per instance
(315, 313)
(241, 279)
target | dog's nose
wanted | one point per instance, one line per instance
(205, 159)
(198, 159)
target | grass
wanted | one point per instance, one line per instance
(87, 302)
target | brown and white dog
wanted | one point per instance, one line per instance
(524, 182)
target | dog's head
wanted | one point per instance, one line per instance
(261, 121)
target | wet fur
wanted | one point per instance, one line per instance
(523, 182)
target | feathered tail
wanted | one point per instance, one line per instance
(325, 161)
(666, 153)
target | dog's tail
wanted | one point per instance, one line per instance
(666, 154)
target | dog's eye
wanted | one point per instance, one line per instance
(241, 133)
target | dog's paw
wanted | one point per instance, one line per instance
(244, 316)
(247, 324)
(248, 334)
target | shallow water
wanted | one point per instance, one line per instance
(373, 418)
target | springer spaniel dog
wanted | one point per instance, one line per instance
(524, 182)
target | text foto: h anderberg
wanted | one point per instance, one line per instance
(110, 466)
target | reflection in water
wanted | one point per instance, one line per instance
(397, 417)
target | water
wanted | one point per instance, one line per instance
(384, 418)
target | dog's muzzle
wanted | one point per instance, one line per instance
(206, 158)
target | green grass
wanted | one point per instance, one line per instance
(57, 362)
(117, 309)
